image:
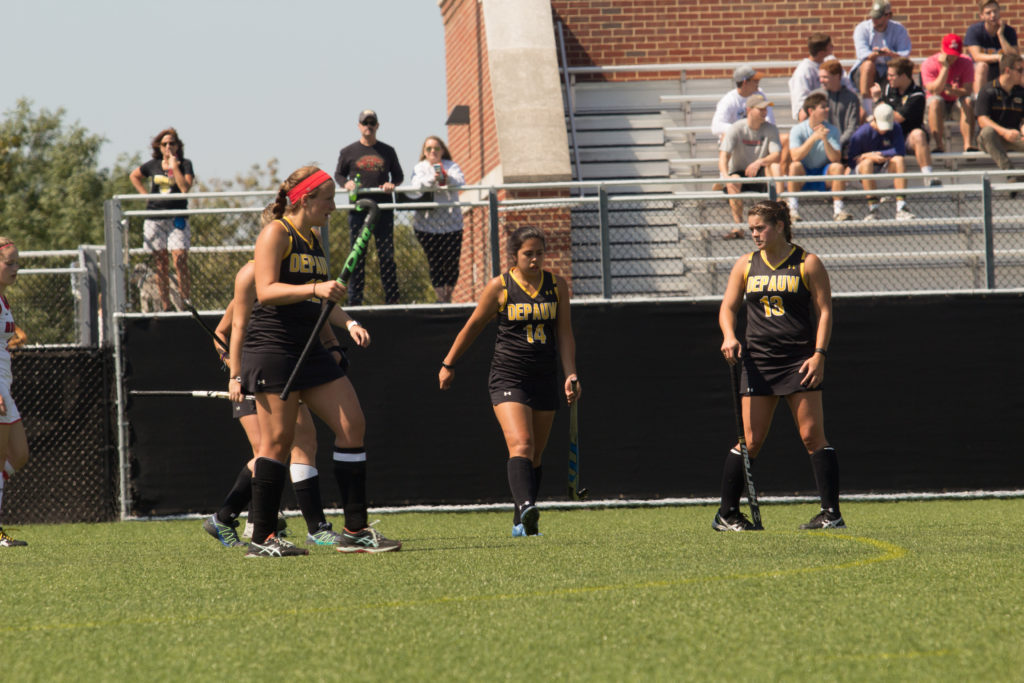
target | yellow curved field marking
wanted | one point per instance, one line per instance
(889, 551)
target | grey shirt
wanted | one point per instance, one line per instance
(744, 145)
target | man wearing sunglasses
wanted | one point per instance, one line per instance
(877, 40)
(369, 163)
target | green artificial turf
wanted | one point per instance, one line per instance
(910, 591)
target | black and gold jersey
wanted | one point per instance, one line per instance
(290, 325)
(526, 344)
(778, 303)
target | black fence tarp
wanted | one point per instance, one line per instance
(922, 395)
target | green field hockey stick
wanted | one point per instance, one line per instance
(358, 249)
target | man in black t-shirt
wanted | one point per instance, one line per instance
(1000, 109)
(907, 100)
(367, 162)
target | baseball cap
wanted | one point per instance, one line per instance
(880, 8)
(368, 114)
(952, 44)
(744, 73)
(758, 102)
(884, 117)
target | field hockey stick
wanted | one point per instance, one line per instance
(575, 492)
(358, 249)
(216, 337)
(755, 509)
(195, 394)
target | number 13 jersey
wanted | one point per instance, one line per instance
(779, 313)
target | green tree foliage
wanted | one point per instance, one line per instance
(51, 189)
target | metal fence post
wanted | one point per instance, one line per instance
(606, 247)
(115, 262)
(990, 252)
(492, 204)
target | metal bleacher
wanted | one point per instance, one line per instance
(665, 240)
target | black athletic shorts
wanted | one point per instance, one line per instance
(243, 409)
(268, 372)
(540, 393)
(772, 377)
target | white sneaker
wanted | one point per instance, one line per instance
(904, 215)
(842, 216)
(871, 215)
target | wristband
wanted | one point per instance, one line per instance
(822, 352)
(350, 324)
(446, 366)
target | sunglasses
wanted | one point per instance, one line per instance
(431, 149)
(172, 143)
(370, 122)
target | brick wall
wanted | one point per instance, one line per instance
(606, 32)
(475, 148)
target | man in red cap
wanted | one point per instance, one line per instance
(948, 78)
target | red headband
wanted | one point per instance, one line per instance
(307, 185)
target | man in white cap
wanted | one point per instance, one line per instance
(750, 149)
(733, 106)
(878, 147)
(877, 40)
(948, 78)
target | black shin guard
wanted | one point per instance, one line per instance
(267, 486)
(350, 472)
(238, 497)
(733, 481)
(826, 476)
(535, 484)
(520, 483)
(307, 495)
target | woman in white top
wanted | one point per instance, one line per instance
(13, 442)
(439, 230)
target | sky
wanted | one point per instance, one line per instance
(242, 82)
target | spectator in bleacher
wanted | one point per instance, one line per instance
(878, 147)
(948, 78)
(733, 105)
(843, 106)
(1000, 108)
(805, 77)
(877, 40)
(907, 100)
(986, 41)
(815, 150)
(750, 149)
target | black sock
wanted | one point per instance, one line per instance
(535, 485)
(520, 482)
(733, 482)
(267, 486)
(307, 494)
(238, 497)
(350, 472)
(826, 476)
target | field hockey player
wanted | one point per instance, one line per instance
(534, 331)
(788, 300)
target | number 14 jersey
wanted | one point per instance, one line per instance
(527, 337)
